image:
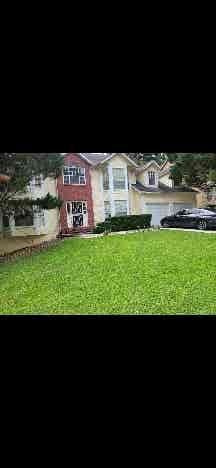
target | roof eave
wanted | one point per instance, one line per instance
(141, 169)
(132, 163)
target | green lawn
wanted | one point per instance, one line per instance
(161, 272)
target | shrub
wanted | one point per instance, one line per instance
(125, 223)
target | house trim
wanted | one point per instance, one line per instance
(108, 159)
(150, 163)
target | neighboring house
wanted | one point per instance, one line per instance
(35, 222)
(112, 184)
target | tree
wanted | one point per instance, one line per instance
(17, 171)
(194, 168)
(143, 158)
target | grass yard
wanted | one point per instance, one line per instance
(161, 272)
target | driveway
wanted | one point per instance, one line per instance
(187, 230)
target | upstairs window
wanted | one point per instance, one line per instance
(152, 178)
(119, 179)
(74, 175)
(105, 179)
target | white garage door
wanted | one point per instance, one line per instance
(158, 211)
(182, 206)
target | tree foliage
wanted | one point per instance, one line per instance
(193, 168)
(143, 158)
(21, 168)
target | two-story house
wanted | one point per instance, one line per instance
(96, 185)
(92, 186)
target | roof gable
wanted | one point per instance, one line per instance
(95, 159)
(150, 163)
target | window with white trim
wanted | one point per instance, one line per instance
(107, 209)
(24, 218)
(119, 179)
(152, 178)
(74, 175)
(120, 208)
(106, 179)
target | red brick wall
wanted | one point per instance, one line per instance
(75, 192)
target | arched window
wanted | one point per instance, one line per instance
(152, 178)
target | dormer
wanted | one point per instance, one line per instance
(148, 175)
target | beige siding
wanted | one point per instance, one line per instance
(136, 202)
(51, 216)
(131, 176)
(118, 161)
(173, 197)
(97, 195)
(166, 180)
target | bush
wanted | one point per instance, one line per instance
(124, 223)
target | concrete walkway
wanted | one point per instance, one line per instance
(187, 230)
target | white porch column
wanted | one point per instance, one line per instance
(110, 172)
(12, 224)
(37, 223)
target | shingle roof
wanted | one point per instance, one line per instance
(96, 158)
(161, 188)
(145, 166)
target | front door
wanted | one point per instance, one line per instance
(77, 214)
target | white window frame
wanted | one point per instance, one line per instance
(24, 226)
(71, 202)
(125, 179)
(70, 168)
(106, 170)
(152, 174)
(126, 206)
